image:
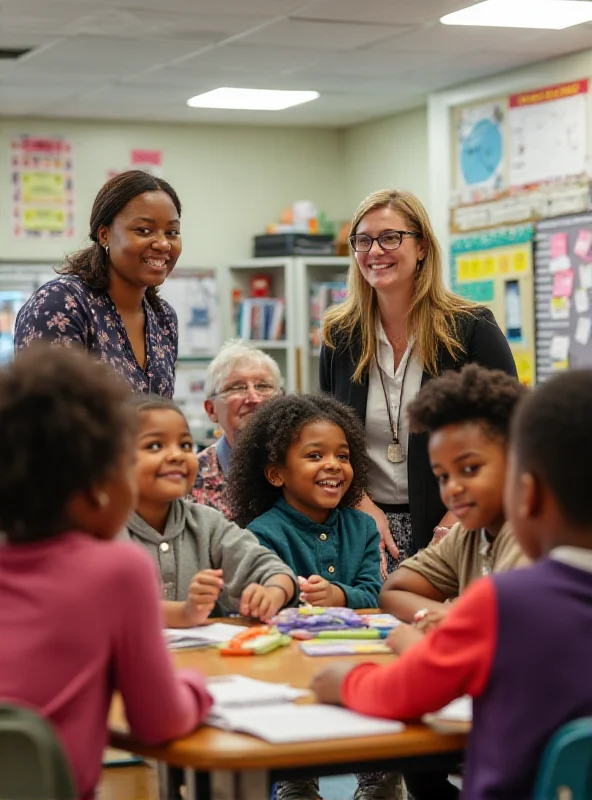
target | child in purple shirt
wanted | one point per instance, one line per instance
(80, 614)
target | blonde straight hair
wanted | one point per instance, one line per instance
(432, 317)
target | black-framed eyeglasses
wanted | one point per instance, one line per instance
(388, 240)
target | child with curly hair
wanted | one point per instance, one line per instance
(80, 614)
(298, 470)
(208, 565)
(467, 417)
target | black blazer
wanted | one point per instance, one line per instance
(483, 343)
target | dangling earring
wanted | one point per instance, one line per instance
(107, 249)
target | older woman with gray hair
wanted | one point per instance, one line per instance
(238, 380)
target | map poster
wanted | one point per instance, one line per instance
(41, 187)
(547, 134)
(480, 156)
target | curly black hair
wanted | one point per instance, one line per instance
(552, 439)
(474, 394)
(65, 422)
(266, 439)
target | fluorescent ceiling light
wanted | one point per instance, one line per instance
(549, 14)
(253, 99)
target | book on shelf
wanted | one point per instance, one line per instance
(323, 295)
(261, 318)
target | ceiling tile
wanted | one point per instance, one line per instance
(109, 56)
(275, 8)
(390, 12)
(328, 36)
(240, 57)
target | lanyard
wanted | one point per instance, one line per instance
(395, 452)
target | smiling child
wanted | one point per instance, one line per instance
(467, 417)
(207, 564)
(297, 470)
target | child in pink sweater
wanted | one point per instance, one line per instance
(80, 614)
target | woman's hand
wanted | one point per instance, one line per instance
(386, 538)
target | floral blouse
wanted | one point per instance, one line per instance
(67, 311)
(210, 483)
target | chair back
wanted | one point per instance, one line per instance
(566, 767)
(33, 765)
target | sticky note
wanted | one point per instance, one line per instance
(560, 308)
(583, 245)
(559, 348)
(563, 283)
(582, 334)
(581, 301)
(558, 245)
(585, 273)
(560, 263)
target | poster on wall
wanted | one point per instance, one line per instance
(41, 187)
(494, 268)
(547, 134)
(563, 287)
(480, 152)
(194, 296)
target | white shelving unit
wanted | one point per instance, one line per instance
(291, 279)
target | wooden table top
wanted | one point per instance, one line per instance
(213, 749)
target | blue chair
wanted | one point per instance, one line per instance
(32, 761)
(566, 767)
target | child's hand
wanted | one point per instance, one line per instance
(432, 619)
(319, 592)
(326, 684)
(261, 602)
(204, 590)
(402, 638)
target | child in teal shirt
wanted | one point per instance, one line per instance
(297, 470)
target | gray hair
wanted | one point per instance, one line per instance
(235, 353)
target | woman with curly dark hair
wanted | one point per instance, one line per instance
(106, 299)
(298, 469)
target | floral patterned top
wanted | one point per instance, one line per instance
(67, 311)
(210, 483)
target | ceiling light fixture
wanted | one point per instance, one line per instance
(251, 99)
(547, 14)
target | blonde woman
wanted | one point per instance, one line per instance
(399, 327)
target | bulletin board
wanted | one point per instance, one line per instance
(194, 296)
(495, 269)
(563, 287)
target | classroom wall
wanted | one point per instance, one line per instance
(231, 180)
(545, 73)
(386, 153)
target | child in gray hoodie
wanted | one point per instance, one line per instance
(207, 564)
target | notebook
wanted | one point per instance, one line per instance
(238, 691)
(285, 723)
(202, 635)
(456, 717)
(344, 647)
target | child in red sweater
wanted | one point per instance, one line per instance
(513, 638)
(80, 614)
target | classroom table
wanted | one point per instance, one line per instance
(222, 765)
